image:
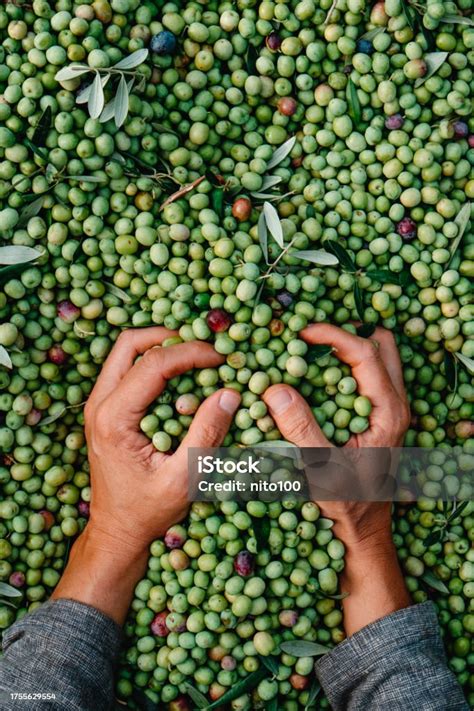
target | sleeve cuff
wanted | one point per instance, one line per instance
(390, 636)
(65, 619)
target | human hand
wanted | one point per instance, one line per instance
(137, 492)
(376, 367)
(371, 573)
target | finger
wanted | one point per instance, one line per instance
(130, 344)
(210, 424)
(391, 358)
(364, 357)
(147, 379)
(293, 417)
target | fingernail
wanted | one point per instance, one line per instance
(279, 401)
(229, 401)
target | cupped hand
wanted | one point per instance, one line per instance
(375, 365)
(138, 492)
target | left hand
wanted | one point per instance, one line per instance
(137, 492)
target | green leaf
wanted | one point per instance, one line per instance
(462, 221)
(409, 15)
(272, 705)
(263, 235)
(324, 524)
(281, 153)
(365, 330)
(319, 351)
(434, 582)
(52, 418)
(5, 359)
(96, 100)
(434, 537)
(18, 254)
(269, 181)
(196, 697)
(451, 370)
(300, 648)
(359, 301)
(345, 260)
(337, 596)
(37, 150)
(87, 178)
(29, 211)
(133, 60)
(121, 103)
(242, 687)
(434, 60)
(82, 97)
(467, 362)
(457, 20)
(384, 276)
(271, 663)
(251, 59)
(355, 110)
(273, 223)
(261, 529)
(119, 293)
(72, 72)
(41, 131)
(313, 693)
(372, 34)
(457, 510)
(317, 256)
(13, 270)
(9, 590)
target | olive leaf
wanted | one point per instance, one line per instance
(372, 34)
(457, 510)
(457, 20)
(82, 97)
(317, 256)
(51, 173)
(337, 596)
(87, 178)
(271, 663)
(359, 301)
(313, 693)
(242, 687)
(72, 72)
(273, 223)
(96, 100)
(319, 351)
(269, 181)
(196, 697)
(409, 14)
(434, 582)
(133, 60)
(433, 60)
(462, 221)
(451, 371)
(52, 418)
(281, 153)
(18, 254)
(42, 127)
(345, 259)
(272, 705)
(434, 537)
(384, 276)
(251, 59)
(119, 293)
(9, 590)
(300, 648)
(37, 150)
(324, 524)
(261, 529)
(467, 362)
(355, 109)
(30, 211)
(5, 359)
(365, 330)
(121, 102)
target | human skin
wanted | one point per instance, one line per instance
(138, 493)
(372, 575)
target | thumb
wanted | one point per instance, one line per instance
(293, 417)
(210, 424)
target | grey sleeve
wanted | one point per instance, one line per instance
(63, 648)
(396, 664)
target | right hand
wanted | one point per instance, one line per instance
(376, 367)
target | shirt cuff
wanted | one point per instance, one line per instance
(412, 627)
(64, 619)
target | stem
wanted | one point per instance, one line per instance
(280, 256)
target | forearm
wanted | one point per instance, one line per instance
(102, 572)
(374, 582)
